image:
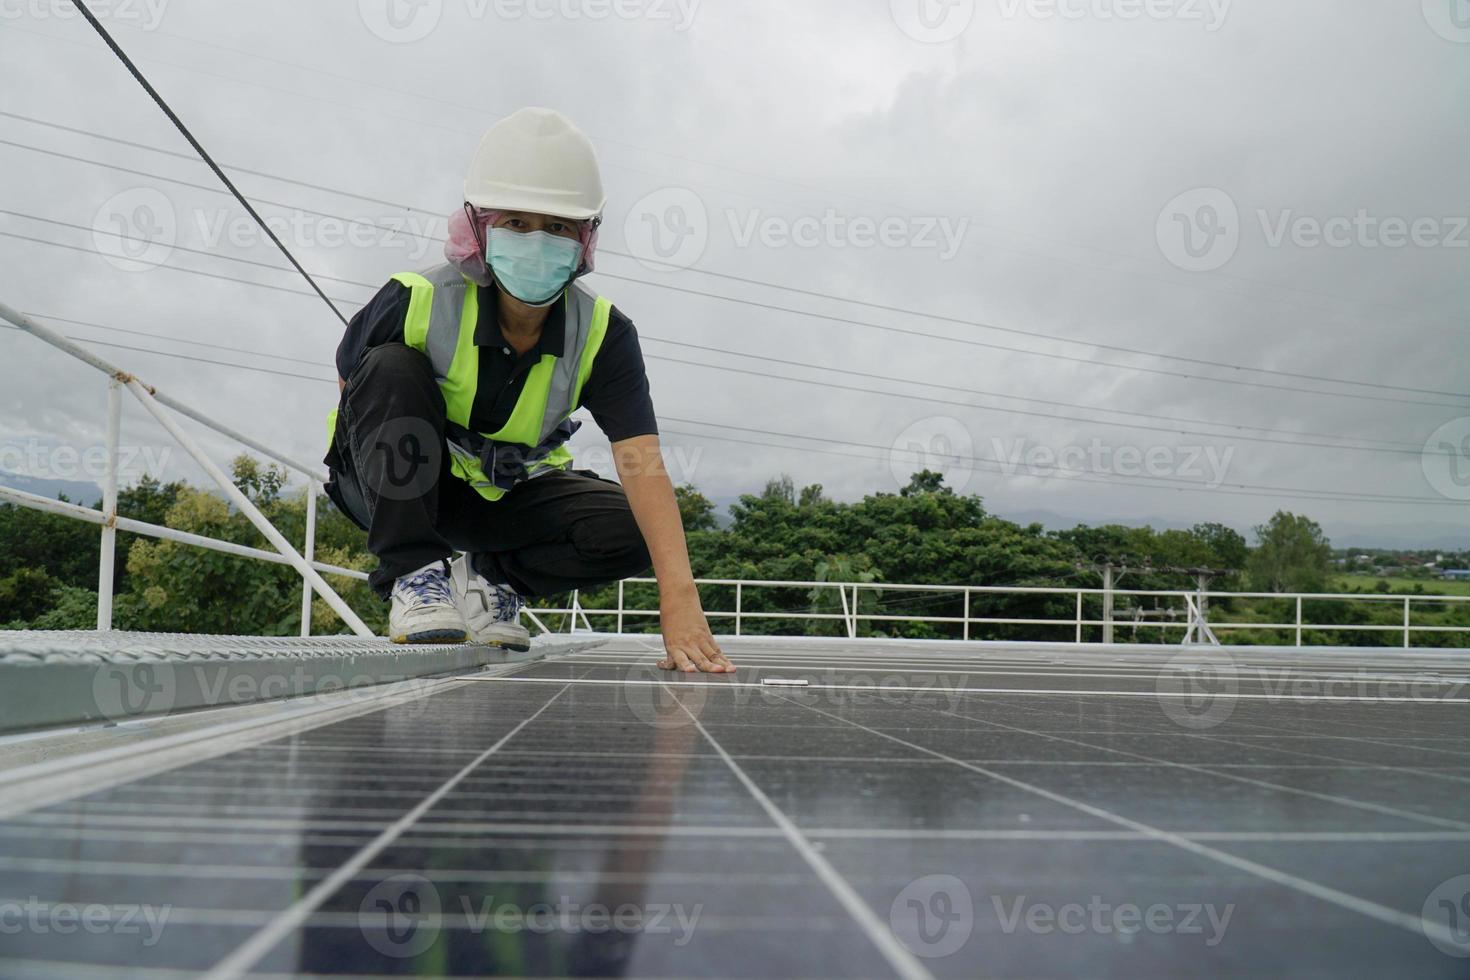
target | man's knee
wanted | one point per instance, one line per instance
(392, 361)
(612, 541)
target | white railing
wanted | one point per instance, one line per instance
(1192, 614)
(155, 402)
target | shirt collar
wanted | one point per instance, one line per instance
(553, 333)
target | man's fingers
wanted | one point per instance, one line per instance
(719, 663)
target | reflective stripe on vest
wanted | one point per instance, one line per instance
(443, 312)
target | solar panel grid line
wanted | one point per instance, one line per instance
(1317, 755)
(1121, 674)
(1265, 784)
(238, 962)
(1333, 896)
(49, 782)
(1078, 692)
(898, 956)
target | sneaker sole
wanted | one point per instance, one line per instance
(503, 645)
(433, 636)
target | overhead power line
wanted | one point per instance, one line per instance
(1000, 466)
(170, 268)
(959, 321)
(1406, 449)
(203, 154)
(988, 464)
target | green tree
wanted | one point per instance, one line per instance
(1227, 546)
(925, 481)
(26, 593)
(1292, 555)
(695, 509)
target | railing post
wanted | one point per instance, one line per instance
(310, 555)
(1407, 600)
(107, 561)
(852, 624)
(243, 504)
(739, 600)
(1107, 630)
(1079, 615)
(576, 593)
(1298, 620)
(967, 614)
(621, 584)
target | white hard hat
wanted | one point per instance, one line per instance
(536, 160)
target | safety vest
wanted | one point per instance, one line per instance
(443, 311)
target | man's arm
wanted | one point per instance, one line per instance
(687, 639)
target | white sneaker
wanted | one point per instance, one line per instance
(492, 612)
(424, 610)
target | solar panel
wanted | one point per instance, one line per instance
(912, 809)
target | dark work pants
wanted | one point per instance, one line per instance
(390, 474)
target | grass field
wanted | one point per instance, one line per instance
(1431, 586)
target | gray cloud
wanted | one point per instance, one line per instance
(1056, 142)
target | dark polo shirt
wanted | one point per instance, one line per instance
(616, 393)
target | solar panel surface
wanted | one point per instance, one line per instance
(918, 810)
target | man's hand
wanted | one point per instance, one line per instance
(688, 642)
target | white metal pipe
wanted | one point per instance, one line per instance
(306, 470)
(250, 511)
(35, 502)
(310, 555)
(58, 340)
(533, 618)
(67, 345)
(107, 561)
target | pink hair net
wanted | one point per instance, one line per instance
(465, 252)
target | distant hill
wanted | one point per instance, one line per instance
(77, 491)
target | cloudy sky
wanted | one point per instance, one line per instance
(1167, 261)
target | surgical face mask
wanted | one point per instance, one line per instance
(534, 267)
